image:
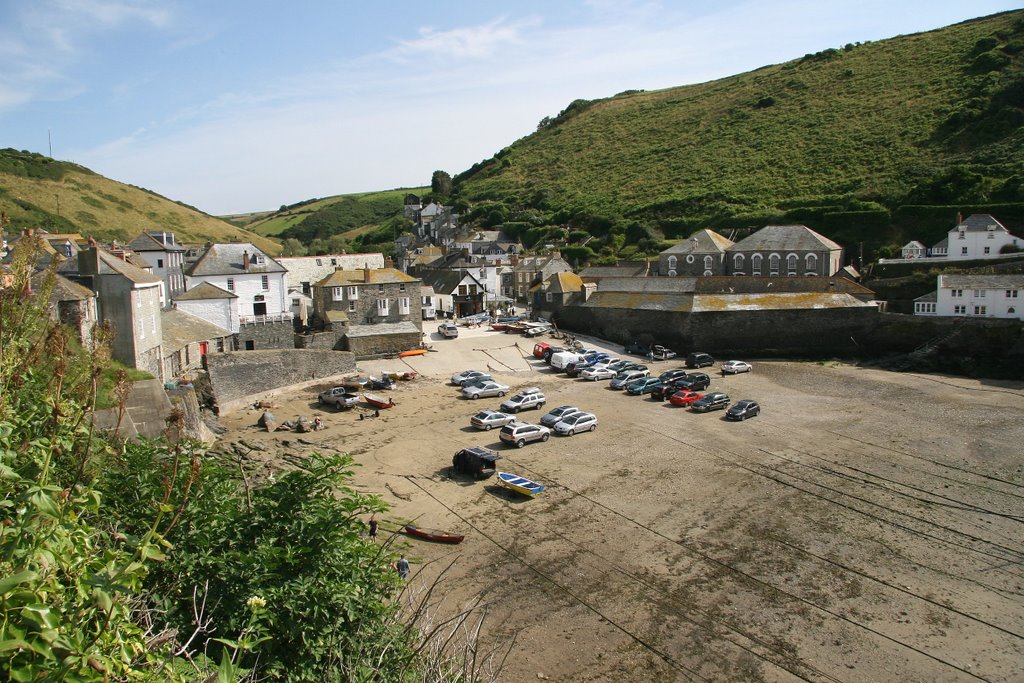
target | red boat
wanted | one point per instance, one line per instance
(378, 401)
(433, 535)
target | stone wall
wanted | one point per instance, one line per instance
(262, 336)
(795, 332)
(243, 377)
(382, 345)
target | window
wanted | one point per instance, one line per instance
(960, 309)
(979, 294)
(1011, 294)
(689, 258)
(990, 236)
(401, 287)
(956, 293)
(338, 293)
(671, 273)
(265, 282)
(319, 262)
(963, 251)
(811, 263)
(403, 306)
(672, 260)
(462, 290)
(295, 302)
(755, 264)
(382, 306)
(353, 293)
(979, 310)
(549, 297)
(737, 263)
(988, 250)
(351, 306)
(791, 264)
(231, 284)
(709, 262)
(159, 263)
(260, 260)
(220, 344)
(380, 287)
(472, 290)
(961, 235)
(334, 261)
(306, 289)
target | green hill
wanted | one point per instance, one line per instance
(851, 141)
(58, 196)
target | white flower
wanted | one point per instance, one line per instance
(255, 601)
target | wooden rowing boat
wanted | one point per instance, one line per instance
(378, 401)
(434, 535)
(412, 352)
(519, 484)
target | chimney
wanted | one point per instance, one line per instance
(366, 273)
(514, 260)
(245, 260)
(388, 263)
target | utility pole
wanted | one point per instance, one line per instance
(49, 140)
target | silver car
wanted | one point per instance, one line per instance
(557, 414)
(598, 372)
(469, 375)
(485, 388)
(621, 380)
(573, 424)
(519, 434)
(523, 401)
(489, 419)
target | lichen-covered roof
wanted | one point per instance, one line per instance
(564, 283)
(181, 329)
(363, 276)
(700, 303)
(204, 291)
(701, 242)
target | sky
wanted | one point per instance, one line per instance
(244, 105)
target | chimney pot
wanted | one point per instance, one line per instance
(366, 273)
(245, 260)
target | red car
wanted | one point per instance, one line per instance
(684, 398)
(539, 348)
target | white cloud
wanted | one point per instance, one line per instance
(468, 41)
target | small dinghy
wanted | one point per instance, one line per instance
(520, 484)
(434, 535)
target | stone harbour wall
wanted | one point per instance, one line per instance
(243, 377)
(261, 336)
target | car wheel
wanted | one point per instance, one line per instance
(500, 394)
(593, 427)
(487, 428)
(545, 437)
(475, 396)
(520, 443)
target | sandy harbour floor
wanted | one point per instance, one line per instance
(867, 526)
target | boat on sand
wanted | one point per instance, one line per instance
(519, 484)
(435, 535)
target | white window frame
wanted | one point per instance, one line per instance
(382, 306)
(1011, 294)
(980, 309)
(351, 306)
(337, 293)
(672, 261)
(403, 305)
(353, 293)
(231, 284)
(265, 282)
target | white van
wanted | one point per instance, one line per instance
(563, 358)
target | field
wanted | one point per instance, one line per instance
(865, 527)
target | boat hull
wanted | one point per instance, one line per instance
(412, 352)
(433, 535)
(519, 484)
(378, 401)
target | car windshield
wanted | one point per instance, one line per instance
(483, 416)
(573, 419)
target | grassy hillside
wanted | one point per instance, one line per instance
(39, 192)
(847, 141)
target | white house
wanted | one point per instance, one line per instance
(976, 296)
(980, 236)
(242, 269)
(166, 255)
(913, 249)
(212, 304)
(306, 271)
(428, 302)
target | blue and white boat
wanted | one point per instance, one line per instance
(520, 484)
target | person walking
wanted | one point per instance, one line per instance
(403, 567)
(373, 527)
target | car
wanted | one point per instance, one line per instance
(624, 365)
(685, 398)
(733, 367)
(716, 400)
(461, 377)
(576, 423)
(659, 352)
(643, 386)
(475, 379)
(698, 359)
(672, 375)
(489, 419)
(623, 379)
(521, 433)
(522, 401)
(637, 348)
(695, 381)
(598, 372)
(476, 461)
(539, 348)
(556, 415)
(741, 410)
(339, 397)
(484, 388)
(667, 388)
(550, 351)
(574, 369)
(448, 330)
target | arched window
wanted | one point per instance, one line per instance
(709, 263)
(773, 264)
(755, 264)
(791, 264)
(811, 263)
(737, 264)
(671, 273)
(672, 260)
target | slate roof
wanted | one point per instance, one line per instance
(726, 284)
(377, 276)
(110, 264)
(698, 303)
(614, 271)
(701, 242)
(980, 222)
(204, 291)
(446, 281)
(930, 297)
(564, 283)
(784, 238)
(913, 244)
(226, 259)
(942, 244)
(952, 281)
(181, 329)
(63, 288)
(155, 241)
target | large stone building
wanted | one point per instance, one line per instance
(306, 271)
(244, 270)
(702, 253)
